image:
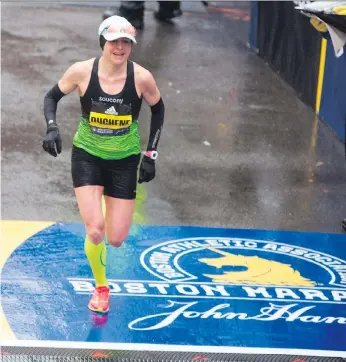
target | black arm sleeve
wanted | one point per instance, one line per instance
(50, 105)
(157, 117)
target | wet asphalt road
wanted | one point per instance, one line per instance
(239, 149)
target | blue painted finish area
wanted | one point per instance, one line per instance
(183, 285)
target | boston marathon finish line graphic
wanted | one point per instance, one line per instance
(183, 286)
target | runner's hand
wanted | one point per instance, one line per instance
(52, 142)
(147, 170)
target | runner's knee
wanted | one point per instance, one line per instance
(116, 243)
(116, 239)
(96, 232)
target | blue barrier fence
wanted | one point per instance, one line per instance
(332, 109)
(333, 100)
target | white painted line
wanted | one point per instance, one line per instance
(169, 348)
(254, 299)
(230, 285)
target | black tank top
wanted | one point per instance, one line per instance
(128, 95)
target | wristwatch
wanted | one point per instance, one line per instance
(151, 154)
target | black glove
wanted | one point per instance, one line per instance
(52, 139)
(147, 170)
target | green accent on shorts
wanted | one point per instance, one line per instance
(107, 147)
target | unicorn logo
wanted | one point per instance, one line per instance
(258, 271)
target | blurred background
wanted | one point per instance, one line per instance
(255, 115)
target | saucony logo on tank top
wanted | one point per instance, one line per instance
(113, 100)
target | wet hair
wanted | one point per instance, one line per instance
(102, 41)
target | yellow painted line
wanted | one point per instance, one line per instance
(13, 234)
(140, 209)
(321, 73)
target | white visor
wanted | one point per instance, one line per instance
(109, 36)
(116, 27)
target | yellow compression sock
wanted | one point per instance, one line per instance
(96, 255)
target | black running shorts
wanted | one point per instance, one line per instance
(119, 177)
